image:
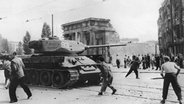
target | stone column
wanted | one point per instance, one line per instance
(76, 36)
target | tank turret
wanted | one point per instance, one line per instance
(63, 46)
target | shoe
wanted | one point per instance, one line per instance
(13, 101)
(137, 78)
(100, 93)
(29, 96)
(114, 91)
(162, 101)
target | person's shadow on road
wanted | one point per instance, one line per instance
(4, 102)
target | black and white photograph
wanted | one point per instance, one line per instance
(92, 51)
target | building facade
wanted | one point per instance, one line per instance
(170, 27)
(92, 31)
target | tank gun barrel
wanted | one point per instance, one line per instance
(107, 45)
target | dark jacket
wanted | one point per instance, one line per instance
(135, 64)
(105, 70)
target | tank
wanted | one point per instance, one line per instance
(57, 63)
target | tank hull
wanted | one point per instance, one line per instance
(61, 71)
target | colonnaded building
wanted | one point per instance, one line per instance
(98, 31)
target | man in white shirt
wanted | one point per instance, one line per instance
(17, 78)
(171, 72)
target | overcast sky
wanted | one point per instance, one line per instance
(130, 18)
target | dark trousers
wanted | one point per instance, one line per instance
(118, 65)
(157, 66)
(152, 64)
(125, 64)
(171, 78)
(107, 83)
(144, 65)
(13, 86)
(130, 71)
(7, 75)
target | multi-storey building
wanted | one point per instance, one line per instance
(170, 27)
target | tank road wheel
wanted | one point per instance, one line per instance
(45, 78)
(58, 79)
(34, 77)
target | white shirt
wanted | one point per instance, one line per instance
(169, 67)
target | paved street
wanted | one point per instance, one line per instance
(146, 90)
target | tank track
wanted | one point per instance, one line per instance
(74, 77)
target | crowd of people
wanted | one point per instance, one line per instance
(153, 61)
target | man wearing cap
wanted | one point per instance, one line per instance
(171, 72)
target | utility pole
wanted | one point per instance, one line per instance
(156, 45)
(52, 26)
(172, 29)
(181, 27)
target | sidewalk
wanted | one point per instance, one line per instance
(149, 70)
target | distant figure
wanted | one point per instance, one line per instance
(157, 62)
(144, 62)
(125, 61)
(152, 61)
(128, 60)
(134, 67)
(106, 75)
(118, 63)
(17, 78)
(148, 61)
(140, 59)
(171, 72)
